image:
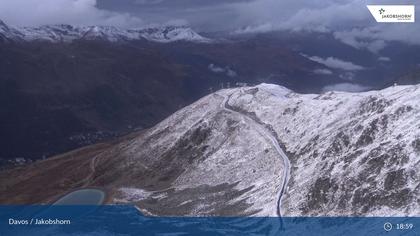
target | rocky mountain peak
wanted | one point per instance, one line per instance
(68, 33)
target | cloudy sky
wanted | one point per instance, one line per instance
(202, 14)
(349, 20)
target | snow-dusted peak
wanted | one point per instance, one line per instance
(3, 26)
(7, 32)
(52, 33)
(108, 33)
(68, 33)
(171, 34)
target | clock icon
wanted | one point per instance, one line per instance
(387, 226)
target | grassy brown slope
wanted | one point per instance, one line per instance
(43, 181)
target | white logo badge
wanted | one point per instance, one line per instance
(393, 13)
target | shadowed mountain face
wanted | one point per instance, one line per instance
(58, 96)
(55, 97)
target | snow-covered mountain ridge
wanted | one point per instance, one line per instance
(350, 153)
(262, 151)
(68, 33)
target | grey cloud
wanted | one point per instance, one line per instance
(374, 37)
(202, 15)
(263, 28)
(302, 15)
(148, 2)
(78, 12)
(247, 15)
(347, 76)
(217, 69)
(355, 39)
(349, 20)
(323, 72)
(336, 63)
(384, 59)
(183, 3)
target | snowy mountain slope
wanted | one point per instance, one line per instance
(170, 34)
(349, 154)
(202, 160)
(8, 33)
(228, 167)
(68, 33)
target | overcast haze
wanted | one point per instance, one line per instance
(348, 20)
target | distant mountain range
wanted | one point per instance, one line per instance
(69, 33)
(63, 86)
